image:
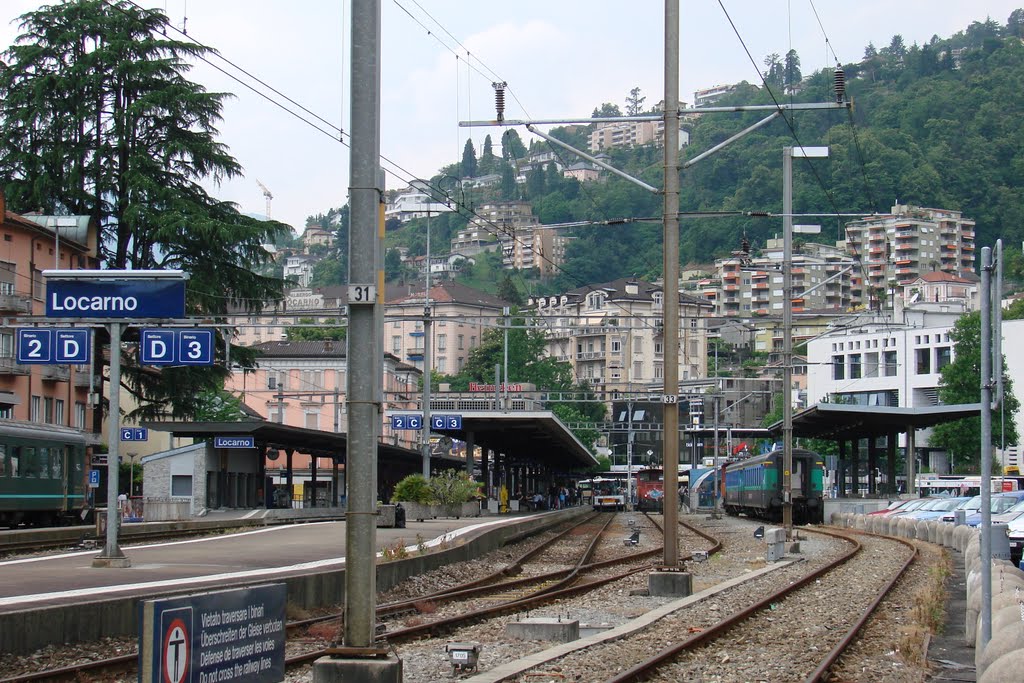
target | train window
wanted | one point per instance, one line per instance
(29, 463)
(13, 459)
(43, 468)
(56, 463)
(4, 469)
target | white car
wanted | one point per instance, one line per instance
(1015, 530)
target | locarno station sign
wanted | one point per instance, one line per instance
(115, 295)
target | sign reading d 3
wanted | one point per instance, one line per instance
(176, 347)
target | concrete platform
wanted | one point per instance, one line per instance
(948, 655)
(62, 598)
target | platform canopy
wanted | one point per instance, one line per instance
(275, 436)
(535, 436)
(841, 422)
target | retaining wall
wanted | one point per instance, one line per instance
(28, 630)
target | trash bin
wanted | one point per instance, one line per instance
(399, 516)
(101, 522)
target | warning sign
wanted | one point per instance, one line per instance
(176, 625)
(235, 635)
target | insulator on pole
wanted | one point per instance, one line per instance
(499, 99)
(839, 79)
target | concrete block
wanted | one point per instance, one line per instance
(670, 584)
(544, 628)
(369, 670)
(1006, 669)
(1005, 640)
(386, 516)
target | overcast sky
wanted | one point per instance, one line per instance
(560, 59)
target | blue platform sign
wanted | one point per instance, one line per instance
(446, 422)
(53, 346)
(176, 347)
(115, 299)
(94, 479)
(134, 434)
(234, 442)
(407, 421)
(231, 635)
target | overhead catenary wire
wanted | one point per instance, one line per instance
(829, 196)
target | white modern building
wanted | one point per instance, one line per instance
(881, 364)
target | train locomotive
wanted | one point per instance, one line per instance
(42, 474)
(754, 486)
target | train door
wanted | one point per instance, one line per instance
(799, 478)
(61, 464)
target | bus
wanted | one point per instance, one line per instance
(962, 485)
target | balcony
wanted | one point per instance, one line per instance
(415, 353)
(9, 367)
(82, 379)
(16, 303)
(590, 355)
(55, 373)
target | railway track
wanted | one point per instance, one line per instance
(495, 593)
(792, 625)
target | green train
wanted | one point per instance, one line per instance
(42, 474)
(754, 486)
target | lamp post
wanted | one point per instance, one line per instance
(788, 153)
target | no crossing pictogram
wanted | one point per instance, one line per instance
(176, 652)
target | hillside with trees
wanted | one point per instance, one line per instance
(939, 124)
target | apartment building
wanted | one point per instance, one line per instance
(299, 268)
(316, 236)
(824, 278)
(939, 287)
(708, 96)
(613, 333)
(303, 384)
(415, 202)
(909, 242)
(460, 316)
(49, 394)
(631, 134)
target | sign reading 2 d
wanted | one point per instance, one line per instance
(115, 299)
(55, 346)
(176, 347)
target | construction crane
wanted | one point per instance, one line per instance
(267, 194)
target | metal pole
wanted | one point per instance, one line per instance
(112, 555)
(504, 390)
(670, 211)
(787, 340)
(986, 445)
(714, 498)
(425, 444)
(997, 345)
(629, 458)
(365, 352)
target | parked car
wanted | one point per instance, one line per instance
(911, 505)
(1015, 530)
(1001, 502)
(892, 507)
(1010, 515)
(937, 508)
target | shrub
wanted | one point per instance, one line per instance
(413, 489)
(453, 487)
